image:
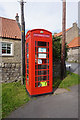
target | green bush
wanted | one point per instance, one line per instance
(57, 49)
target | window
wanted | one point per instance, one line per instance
(41, 64)
(6, 48)
(42, 43)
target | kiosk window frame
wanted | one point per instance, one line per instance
(41, 64)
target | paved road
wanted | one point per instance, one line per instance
(75, 67)
(64, 105)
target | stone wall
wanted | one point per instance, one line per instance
(72, 33)
(10, 72)
(10, 65)
(57, 69)
(74, 58)
(16, 54)
(74, 54)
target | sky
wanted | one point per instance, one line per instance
(45, 14)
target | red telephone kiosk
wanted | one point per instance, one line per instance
(38, 55)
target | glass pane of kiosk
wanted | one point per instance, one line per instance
(41, 64)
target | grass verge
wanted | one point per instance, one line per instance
(13, 96)
(71, 80)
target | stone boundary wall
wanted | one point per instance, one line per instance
(74, 58)
(57, 69)
(10, 72)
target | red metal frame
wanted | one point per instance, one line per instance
(34, 77)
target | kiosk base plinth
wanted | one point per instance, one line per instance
(39, 94)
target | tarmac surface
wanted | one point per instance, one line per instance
(61, 104)
(75, 67)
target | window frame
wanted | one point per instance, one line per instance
(11, 48)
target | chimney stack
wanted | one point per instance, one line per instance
(75, 24)
(17, 18)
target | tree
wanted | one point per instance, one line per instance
(57, 49)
